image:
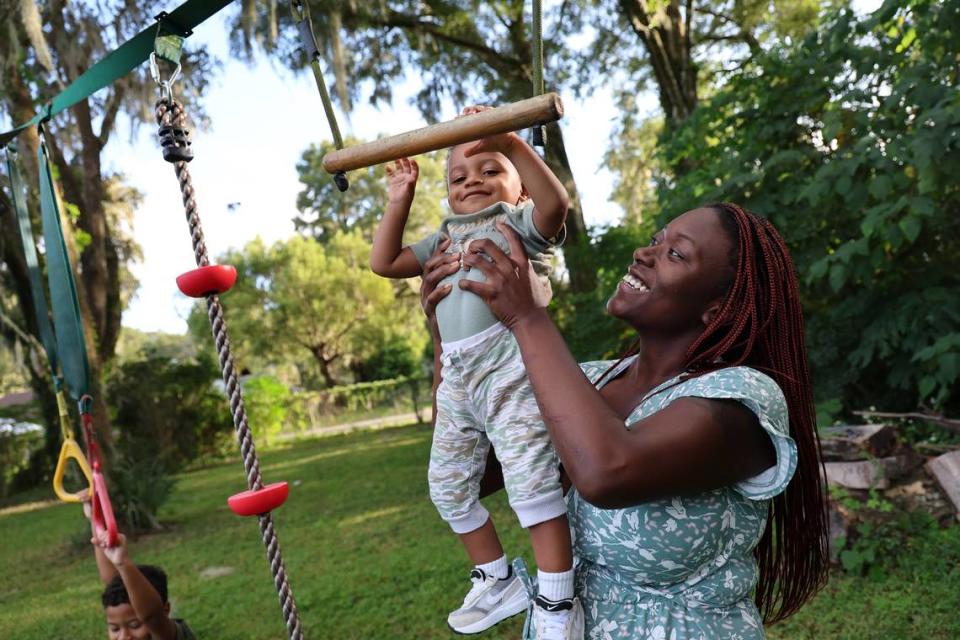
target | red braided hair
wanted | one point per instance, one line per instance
(760, 325)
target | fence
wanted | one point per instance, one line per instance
(365, 400)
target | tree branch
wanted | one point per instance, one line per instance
(111, 108)
(493, 58)
(950, 424)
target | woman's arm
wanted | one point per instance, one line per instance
(692, 445)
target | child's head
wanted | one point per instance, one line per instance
(122, 621)
(481, 180)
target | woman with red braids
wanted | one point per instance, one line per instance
(697, 508)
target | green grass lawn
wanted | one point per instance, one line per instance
(367, 557)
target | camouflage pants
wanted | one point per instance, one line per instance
(485, 399)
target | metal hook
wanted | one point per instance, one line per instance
(166, 86)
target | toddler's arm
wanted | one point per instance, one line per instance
(144, 599)
(104, 567)
(388, 257)
(549, 196)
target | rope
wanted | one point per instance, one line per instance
(538, 87)
(308, 40)
(539, 130)
(170, 114)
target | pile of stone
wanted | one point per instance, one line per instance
(870, 459)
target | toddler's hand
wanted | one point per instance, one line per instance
(116, 554)
(501, 142)
(402, 180)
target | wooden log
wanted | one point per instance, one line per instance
(856, 442)
(871, 474)
(946, 469)
(512, 117)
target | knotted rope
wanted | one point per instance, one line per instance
(172, 117)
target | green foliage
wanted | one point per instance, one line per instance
(18, 440)
(268, 403)
(139, 486)
(393, 359)
(325, 211)
(881, 531)
(168, 410)
(850, 142)
(590, 332)
(315, 306)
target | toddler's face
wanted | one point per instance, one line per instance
(481, 180)
(123, 624)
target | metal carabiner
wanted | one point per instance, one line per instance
(166, 86)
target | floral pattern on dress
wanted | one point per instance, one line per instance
(682, 568)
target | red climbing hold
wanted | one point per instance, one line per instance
(253, 503)
(206, 281)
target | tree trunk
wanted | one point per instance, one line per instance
(666, 37)
(319, 353)
(578, 241)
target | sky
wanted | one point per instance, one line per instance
(263, 117)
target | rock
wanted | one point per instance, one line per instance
(216, 572)
(855, 442)
(871, 474)
(946, 470)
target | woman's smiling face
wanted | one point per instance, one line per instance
(674, 282)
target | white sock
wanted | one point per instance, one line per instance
(555, 586)
(498, 568)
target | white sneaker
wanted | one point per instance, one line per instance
(489, 601)
(561, 620)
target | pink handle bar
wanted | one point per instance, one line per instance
(103, 520)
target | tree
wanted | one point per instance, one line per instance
(850, 142)
(684, 40)
(302, 298)
(324, 211)
(472, 52)
(46, 46)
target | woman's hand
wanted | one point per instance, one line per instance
(511, 288)
(436, 268)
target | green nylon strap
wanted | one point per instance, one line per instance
(121, 61)
(33, 265)
(168, 47)
(67, 324)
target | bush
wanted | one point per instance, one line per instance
(267, 402)
(18, 440)
(139, 488)
(168, 410)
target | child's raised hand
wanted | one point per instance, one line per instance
(402, 180)
(116, 554)
(501, 142)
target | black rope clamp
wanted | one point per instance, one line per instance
(539, 132)
(340, 179)
(175, 143)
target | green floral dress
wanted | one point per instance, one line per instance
(682, 568)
